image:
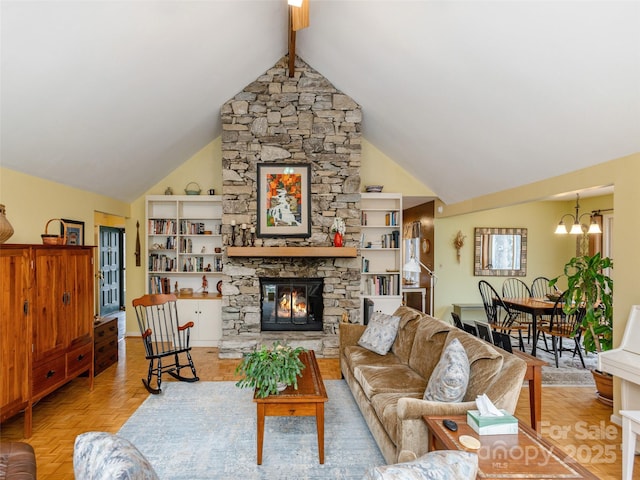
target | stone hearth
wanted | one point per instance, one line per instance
(302, 120)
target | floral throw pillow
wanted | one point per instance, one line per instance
(380, 333)
(104, 456)
(439, 465)
(449, 380)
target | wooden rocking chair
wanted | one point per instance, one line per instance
(163, 336)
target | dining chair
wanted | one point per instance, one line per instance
(516, 288)
(564, 326)
(499, 316)
(457, 321)
(540, 288)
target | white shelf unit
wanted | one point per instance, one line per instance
(381, 249)
(182, 235)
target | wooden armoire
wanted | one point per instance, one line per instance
(46, 323)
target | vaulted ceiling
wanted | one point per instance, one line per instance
(471, 97)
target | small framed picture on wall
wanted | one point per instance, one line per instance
(75, 231)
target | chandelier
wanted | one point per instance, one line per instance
(577, 228)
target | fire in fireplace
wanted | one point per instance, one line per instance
(291, 304)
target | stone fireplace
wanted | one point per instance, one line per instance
(302, 119)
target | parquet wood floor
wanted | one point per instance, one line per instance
(572, 417)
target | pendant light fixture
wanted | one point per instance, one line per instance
(576, 227)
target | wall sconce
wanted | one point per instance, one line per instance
(577, 227)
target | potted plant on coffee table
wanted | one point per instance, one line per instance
(590, 288)
(270, 369)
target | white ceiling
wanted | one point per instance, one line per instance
(471, 97)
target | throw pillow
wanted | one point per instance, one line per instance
(104, 456)
(449, 380)
(380, 333)
(439, 465)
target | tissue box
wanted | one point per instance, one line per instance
(505, 425)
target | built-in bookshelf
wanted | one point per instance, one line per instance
(184, 251)
(381, 249)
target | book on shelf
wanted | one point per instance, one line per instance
(162, 227)
(159, 284)
(161, 263)
(382, 285)
(390, 240)
(391, 219)
(186, 245)
(191, 228)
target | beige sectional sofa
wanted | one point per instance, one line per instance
(389, 388)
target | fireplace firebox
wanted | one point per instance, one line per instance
(291, 304)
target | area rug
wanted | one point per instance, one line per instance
(569, 372)
(207, 430)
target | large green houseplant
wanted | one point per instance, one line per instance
(270, 369)
(590, 288)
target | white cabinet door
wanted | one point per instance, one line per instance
(207, 318)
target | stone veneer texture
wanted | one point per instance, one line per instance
(302, 119)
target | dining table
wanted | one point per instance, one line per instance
(537, 307)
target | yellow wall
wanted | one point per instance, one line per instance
(378, 169)
(31, 202)
(205, 168)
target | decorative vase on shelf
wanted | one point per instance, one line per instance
(337, 239)
(6, 230)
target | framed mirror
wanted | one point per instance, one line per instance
(500, 252)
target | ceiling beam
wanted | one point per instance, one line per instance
(298, 19)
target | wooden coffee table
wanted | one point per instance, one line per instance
(307, 400)
(522, 455)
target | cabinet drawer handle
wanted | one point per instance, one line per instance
(101, 333)
(81, 356)
(51, 373)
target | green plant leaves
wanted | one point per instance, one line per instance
(589, 288)
(265, 367)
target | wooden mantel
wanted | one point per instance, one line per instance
(333, 252)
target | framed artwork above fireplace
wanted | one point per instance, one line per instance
(284, 200)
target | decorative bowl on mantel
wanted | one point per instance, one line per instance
(374, 188)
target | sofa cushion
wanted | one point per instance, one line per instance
(385, 405)
(449, 380)
(104, 456)
(439, 465)
(380, 333)
(409, 321)
(428, 344)
(374, 379)
(354, 356)
(484, 360)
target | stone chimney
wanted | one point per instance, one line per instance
(300, 120)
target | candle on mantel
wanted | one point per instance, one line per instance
(252, 229)
(244, 226)
(233, 223)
